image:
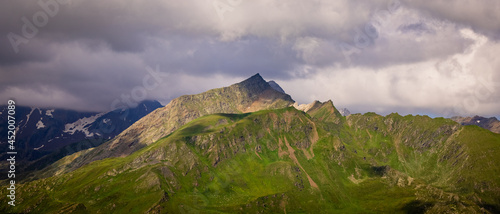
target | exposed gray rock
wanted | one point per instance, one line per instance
(344, 112)
(276, 87)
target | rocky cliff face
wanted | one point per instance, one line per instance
(252, 94)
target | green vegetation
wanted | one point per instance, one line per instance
(284, 160)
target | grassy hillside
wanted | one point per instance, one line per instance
(250, 95)
(287, 161)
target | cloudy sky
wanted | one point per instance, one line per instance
(413, 57)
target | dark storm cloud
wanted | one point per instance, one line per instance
(37, 51)
(482, 16)
(205, 57)
(123, 26)
(90, 53)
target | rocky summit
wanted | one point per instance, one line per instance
(247, 148)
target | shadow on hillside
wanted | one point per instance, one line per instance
(417, 207)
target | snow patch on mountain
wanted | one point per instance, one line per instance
(81, 125)
(49, 112)
(38, 147)
(28, 116)
(40, 124)
(53, 139)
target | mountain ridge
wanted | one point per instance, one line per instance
(250, 95)
(289, 160)
(265, 154)
(44, 135)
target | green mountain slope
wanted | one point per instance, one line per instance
(250, 95)
(287, 161)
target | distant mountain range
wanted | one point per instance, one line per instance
(344, 112)
(56, 133)
(491, 123)
(249, 148)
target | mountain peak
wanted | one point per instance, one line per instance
(253, 79)
(256, 76)
(255, 84)
(250, 95)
